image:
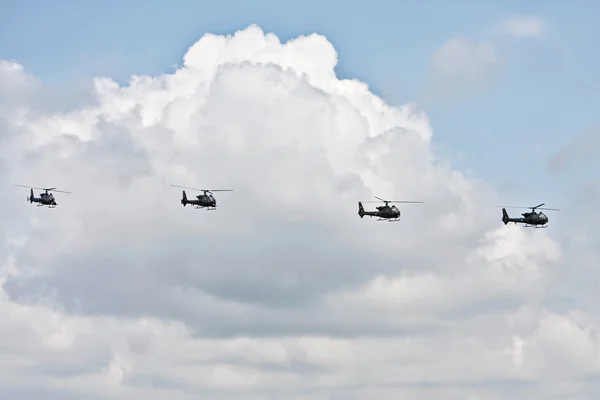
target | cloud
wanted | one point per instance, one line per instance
(283, 292)
(522, 26)
(462, 64)
(465, 64)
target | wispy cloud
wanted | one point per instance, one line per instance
(522, 26)
(461, 64)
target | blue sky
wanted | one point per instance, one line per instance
(544, 92)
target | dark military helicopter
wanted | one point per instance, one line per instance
(531, 219)
(205, 200)
(45, 199)
(385, 212)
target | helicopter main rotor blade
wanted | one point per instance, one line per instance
(539, 207)
(513, 207)
(55, 190)
(530, 208)
(31, 187)
(185, 187)
(203, 190)
(44, 189)
(392, 201)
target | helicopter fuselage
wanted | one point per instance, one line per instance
(383, 212)
(535, 219)
(201, 201)
(45, 199)
(388, 212)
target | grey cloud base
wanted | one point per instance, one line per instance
(283, 292)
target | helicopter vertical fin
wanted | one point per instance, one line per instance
(361, 210)
(31, 196)
(184, 199)
(505, 217)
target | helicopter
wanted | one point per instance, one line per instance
(385, 212)
(45, 199)
(205, 200)
(531, 219)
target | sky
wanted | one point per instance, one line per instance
(388, 45)
(283, 292)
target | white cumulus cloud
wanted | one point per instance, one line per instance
(283, 292)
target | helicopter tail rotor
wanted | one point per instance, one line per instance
(184, 199)
(505, 217)
(361, 210)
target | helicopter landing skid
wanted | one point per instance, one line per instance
(205, 208)
(535, 226)
(389, 219)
